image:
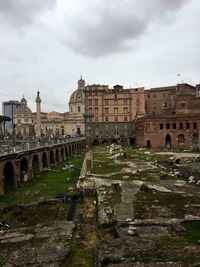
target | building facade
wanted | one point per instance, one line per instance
(110, 113)
(172, 118)
(23, 121)
(8, 109)
(74, 123)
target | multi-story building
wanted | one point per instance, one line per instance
(23, 121)
(172, 117)
(8, 109)
(110, 113)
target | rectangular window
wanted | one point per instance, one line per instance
(116, 118)
(96, 102)
(106, 102)
(106, 118)
(125, 101)
(125, 110)
(96, 110)
(106, 110)
(115, 110)
(116, 102)
(125, 118)
(90, 102)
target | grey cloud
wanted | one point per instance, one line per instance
(114, 26)
(22, 12)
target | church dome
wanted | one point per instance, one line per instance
(78, 95)
(23, 101)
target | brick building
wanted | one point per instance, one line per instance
(110, 113)
(172, 117)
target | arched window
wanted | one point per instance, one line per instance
(187, 125)
(168, 126)
(181, 125)
(174, 126)
(194, 125)
(161, 126)
(79, 109)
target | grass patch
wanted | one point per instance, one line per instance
(190, 237)
(163, 205)
(34, 215)
(106, 167)
(80, 258)
(45, 185)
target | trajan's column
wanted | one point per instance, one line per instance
(38, 115)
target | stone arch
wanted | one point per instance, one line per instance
(44, 160)
(132, 141)
(181, 139)
(114, 141)
(57, 155)
(78, 148)
(168, 141)
(73, 149)
(8, 176)
(148, 143)
(62, 154)
(195, 139)
(70, 151)
(95, 142)
(23, 170)
(51, 156)
(35, 165)
(105, 142)
(66, 152)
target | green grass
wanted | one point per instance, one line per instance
(106, 167)
(190, 237)
(18, 217)
(47, 185)
(163, 205)
(3, 260)
(80, 258)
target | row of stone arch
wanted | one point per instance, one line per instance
(181, 139)
(25, 166)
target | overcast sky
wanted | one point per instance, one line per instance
(46, 45)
